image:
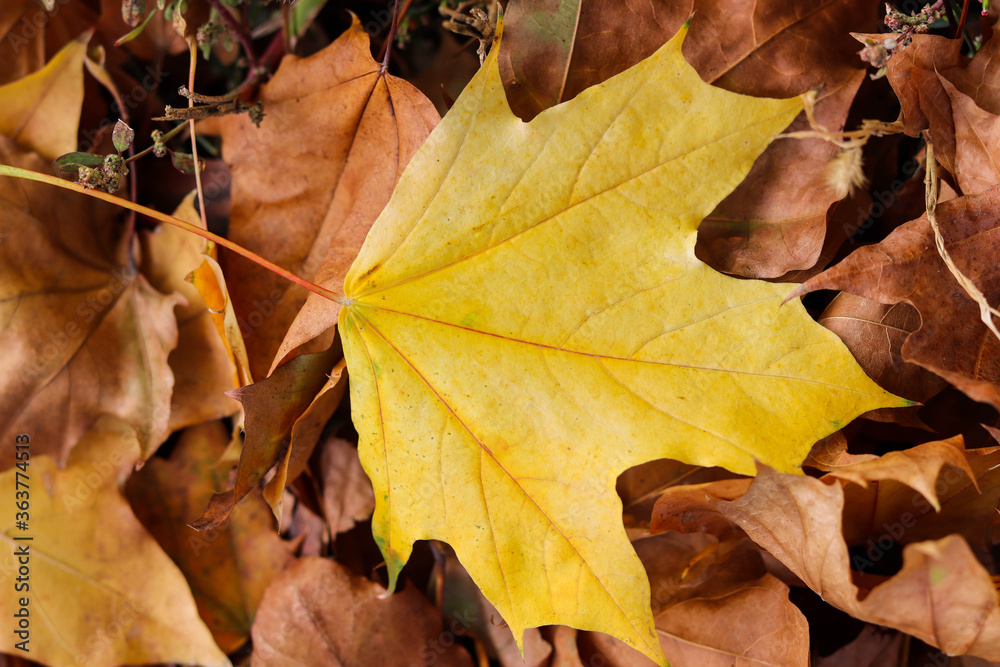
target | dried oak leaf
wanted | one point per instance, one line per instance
(775, 222)
(527, 319)
(229, 568)
(103, 593)
(952, 341)
(308, 184)
(317, 614)
(941, 595)
(83, 333)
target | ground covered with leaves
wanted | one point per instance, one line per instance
(567, 333)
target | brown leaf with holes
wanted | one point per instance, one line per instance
(941, 595)
(297, 626)
(228, 568)
(308, 184)
(952, 341)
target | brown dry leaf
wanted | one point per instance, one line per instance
(874, 647)
(831, 453)
(551, 50)
(874, 333)
(714, 606)
(83, 333)
(41, 112)
(942, 595)
(305, 434)
(229, 568)
(968, 505)
(202, 366)
(925, 54)
(776, 221)
(952, 341)
(131, 605)
(976, 142)
(30, 35)
(347, 493)
(274, 407)
(467, 612)
(918, 468)
(639, 488)
(316, 613)
(308, 184)
(941, 91)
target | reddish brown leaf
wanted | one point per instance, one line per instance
(906, 267)
(228, 568)
(699, 588)
(874, 647)
(317, 614)
(874, 333)
(308, 184)
(274, 407)
(925, 54)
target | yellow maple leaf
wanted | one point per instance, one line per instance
(527, 319)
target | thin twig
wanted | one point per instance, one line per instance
(961, 21)
(392, 36)
(149, 149)
(16, 172)
(986, 312)
(241, 34)
(193, 50)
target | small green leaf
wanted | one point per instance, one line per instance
(122, 136)
(135, 33)
(184, 162)
(71, 162)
